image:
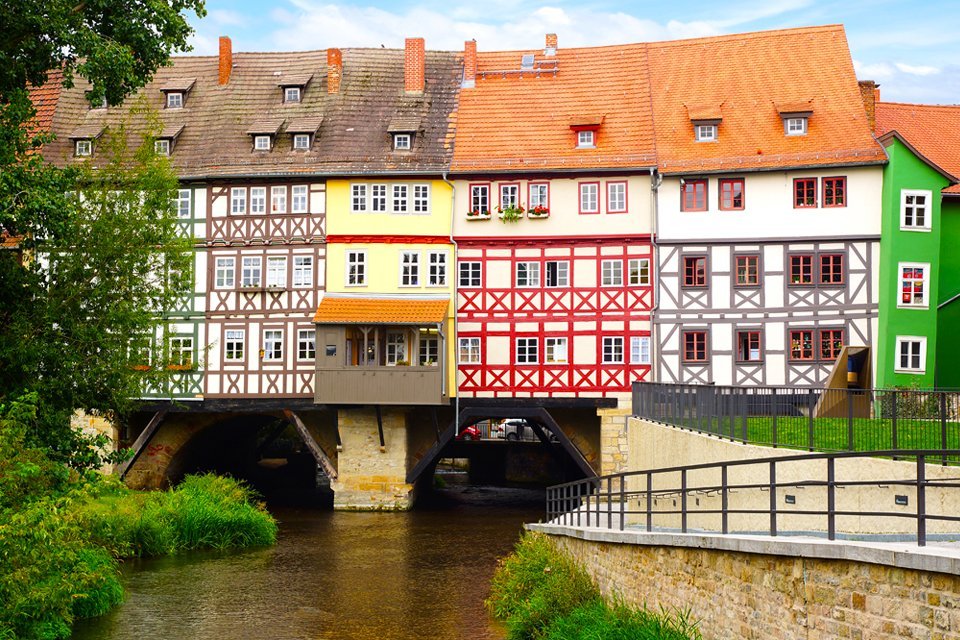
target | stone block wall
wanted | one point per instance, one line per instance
(371, 478)
(614, 444)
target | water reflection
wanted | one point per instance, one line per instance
(349, 576)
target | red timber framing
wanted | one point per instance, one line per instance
(583, 312)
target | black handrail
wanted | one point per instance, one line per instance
(592, 501)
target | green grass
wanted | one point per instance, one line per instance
(542, 594)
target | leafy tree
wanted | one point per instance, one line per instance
(99, 254)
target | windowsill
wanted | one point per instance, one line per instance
(355, 286)
(920, 307)
(250, 288)
(914, 372)
(747, 286)
(920, 229)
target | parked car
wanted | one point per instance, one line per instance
(515, 429)
(469, 433)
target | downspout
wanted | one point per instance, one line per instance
(655, 181)
(456, 283)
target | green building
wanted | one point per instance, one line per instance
(919, 338)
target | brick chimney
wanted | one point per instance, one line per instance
(413, 65)
(870, 93)
(334, 70)
(551, 46)
(226, 60)
(469, 64)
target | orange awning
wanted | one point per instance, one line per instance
(386, 310)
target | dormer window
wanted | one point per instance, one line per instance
(82, 148)
(174, 100)
(303, 131)
(301, 141)
(261, 143)
(585, 129)
(796, 116)
(161, 147)
(585, 139)
(291, 94)
(706, 132)
(264, 133)
(401, 141)
(795, 126)
(175, 92)
(83, 138)
(293, 86)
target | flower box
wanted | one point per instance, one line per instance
(478, 215)
(538, 212)
(511, 214)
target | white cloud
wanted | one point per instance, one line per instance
(873, 71)
(226, 18)
(917, 70)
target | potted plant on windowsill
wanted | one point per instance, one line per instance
(538, 211)
(477, 214)
(511, 213)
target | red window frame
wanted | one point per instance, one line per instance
(489, 196)
(726, 188)
(580, 186)
(755, 258)
(538, 183)
(831, 269)
(802, 265)
(803, 190)
(831, 343)
(689, 188)
(834, 191)
(694, 346)
(801, 345)
(753, 340)
(691, 266)
(626, 195)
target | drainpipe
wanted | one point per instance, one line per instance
(456, 281)
(655, 181)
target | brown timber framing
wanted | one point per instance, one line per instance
(308, 440)
(142, 441)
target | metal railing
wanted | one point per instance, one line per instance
(822, 494)
(806, 418)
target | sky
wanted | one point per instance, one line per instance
(912, 49)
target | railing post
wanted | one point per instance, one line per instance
(811, 406)
(623, 502)
(732, 413)
(943, 426)
(649, 501)
(587, 490)
(849, 419)
(610, 502)
(775, 408)
(599, 492)
(831, 499)
(773, 498)
(744, 395)
(683, 500)
(711, 405)
(893, 435)
(921, 501)
(723, 499)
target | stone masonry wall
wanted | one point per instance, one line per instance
(744, 596)
(371, 478)
(614, 444)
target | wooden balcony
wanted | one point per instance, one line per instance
(395, 385)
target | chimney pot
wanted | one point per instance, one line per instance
(870, 93)
(551, 45)
(226, 60)
(469, 64)
(334, 70)
(414, 65)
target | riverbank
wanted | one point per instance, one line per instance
(540, 593)
(60, 549)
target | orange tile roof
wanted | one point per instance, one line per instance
(516, 120)
(752, 75)
(44, 99)
(335, 309)
(933, 130)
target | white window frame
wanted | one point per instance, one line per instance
(161, 146)
(273, 345)
(356, 261)
(401, 198)
(925, 283)
(611, 273)
(617, 203)
(590, 196)
(640, 350)
(291, 94)
(509, 195)
(181, 346)
(378, 198)
(262, 143)
(473, 277)
(539, 195)
(402, 141)
(586, 139)
(428, 348)
(396, 347)
(302, 271)
(250, 266)
(278, 199)
(83, 148)
(184, 204)
(301, 141)
(480, 198)
(528, 349)
(609, 350)
(238, 200)
(225, 272)
(705, 132)
(306, 345)
(637, 265)
(234, 345)
(258, 200)
(922, 342)
(437, 269)
(562, 273)
(471, 348)
(421, 199)
(276, 272)
(358, 198)
(531, 275)
(927, 209)
(175, 100)
(555, 350)
(795, 126)
(409, 268)
(300, 198)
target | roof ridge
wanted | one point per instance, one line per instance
(917, 104)
(750, 35)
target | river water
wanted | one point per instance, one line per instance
(349, 576)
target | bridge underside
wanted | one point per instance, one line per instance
(369, 457)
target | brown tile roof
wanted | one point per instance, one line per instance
(344, 309)
(178, 84)
(753, 75)
(44, 100)
(516, 120)
(305, 125)
(933, 130)
(352, 134)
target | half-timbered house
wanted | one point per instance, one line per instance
(768, 208)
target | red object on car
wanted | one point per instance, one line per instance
(469, 433)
